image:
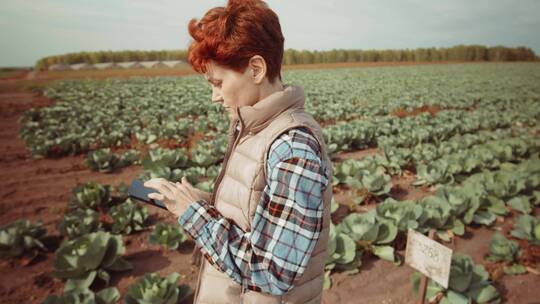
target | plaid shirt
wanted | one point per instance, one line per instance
(286, 225)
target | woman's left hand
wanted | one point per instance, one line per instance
(176, 196)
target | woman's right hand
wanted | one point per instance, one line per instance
(178, 196)
(206, 195)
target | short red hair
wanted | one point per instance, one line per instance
(231, 35)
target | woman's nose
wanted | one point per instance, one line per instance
(216, 96)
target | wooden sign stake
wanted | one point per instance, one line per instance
(424, 281)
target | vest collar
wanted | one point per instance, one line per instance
(258, 116)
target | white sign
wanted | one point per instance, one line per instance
(429, 257)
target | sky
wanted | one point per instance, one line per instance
(32, 29)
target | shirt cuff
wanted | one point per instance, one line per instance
(196, 216)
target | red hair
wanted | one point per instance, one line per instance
(231, 35)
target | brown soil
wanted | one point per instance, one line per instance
(40, 189)
(432, 110)
(403, 190)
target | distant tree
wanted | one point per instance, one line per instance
(292, 56)
(288, 57)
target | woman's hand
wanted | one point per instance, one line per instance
(176, 196)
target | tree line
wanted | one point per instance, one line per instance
(292, 56)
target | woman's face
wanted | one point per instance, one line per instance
(231, 87)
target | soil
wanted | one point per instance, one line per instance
(39, 190)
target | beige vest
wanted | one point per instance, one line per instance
(238, 189)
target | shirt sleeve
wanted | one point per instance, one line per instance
(286, 225)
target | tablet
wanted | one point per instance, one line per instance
(139, 192)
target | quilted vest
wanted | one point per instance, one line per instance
(238, 189)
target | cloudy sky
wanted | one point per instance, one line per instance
(32, 29)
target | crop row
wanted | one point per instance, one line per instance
(479, 200)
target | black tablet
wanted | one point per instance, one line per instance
(138, 191)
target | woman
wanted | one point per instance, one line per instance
(263, 231)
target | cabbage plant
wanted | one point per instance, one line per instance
(468, 283)
(165, 163)
(170, 236)
(85, 296)
(489, 155)
(157, 170)
(433, 173)
(102, 160)
(461, 200)
(122, 192)
(172, 158)
(152, 288)
(208, 152)
(128, 217)
(437, 214)
(527, 227)
(520, 203)
(503, 250)
(341, 251)
(370, 234)
(88, 257)
(342, 254)
(130, 157)
(90, 195)
(393, 160)
(79, 222)
(105, 161)
(21, 237)
(365, 176)
(403, 214)
(193, 174)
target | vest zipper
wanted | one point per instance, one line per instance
(198, 280)
(236, 137)
(281, 301)
(242, 294)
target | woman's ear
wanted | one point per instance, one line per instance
(257, 67)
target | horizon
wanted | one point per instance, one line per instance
(33, 29)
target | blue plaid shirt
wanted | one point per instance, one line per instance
(286, 225)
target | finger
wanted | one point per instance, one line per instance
(156, 196)
(180, 192)
(160, 186)
(179, 185)
(154, 184)
(179, 189)
(184, 180)
(170, 186)
(153, 181)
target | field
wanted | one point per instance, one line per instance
(451, 148)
